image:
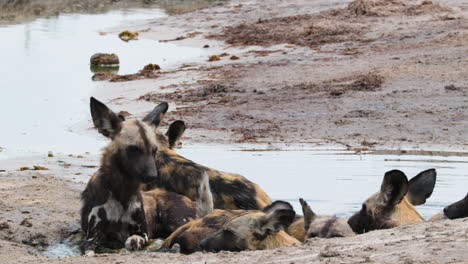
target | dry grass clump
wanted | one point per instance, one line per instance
(390, 7)
(304, 30)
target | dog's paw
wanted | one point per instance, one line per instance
(135, 242)
(90, 253)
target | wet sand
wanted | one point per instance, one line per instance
(394, 80)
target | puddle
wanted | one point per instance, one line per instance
(334, 182)
(46, 82)
(71, 247)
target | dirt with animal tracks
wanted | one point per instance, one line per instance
(361, 74)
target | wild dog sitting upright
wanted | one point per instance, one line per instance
(112, 213)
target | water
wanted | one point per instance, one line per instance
(334, 182)
(45, 77)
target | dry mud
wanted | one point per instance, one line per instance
(365, 75)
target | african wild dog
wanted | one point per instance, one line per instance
(112, 213)
(420, 188)
(181, 175)
(324, 226)
(166, 211)
(236, 230)
(454, 211)
(393, 205)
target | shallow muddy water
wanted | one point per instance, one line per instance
(45, 80)
(335, 182)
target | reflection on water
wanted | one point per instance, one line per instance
(45, 77)
(331, 182)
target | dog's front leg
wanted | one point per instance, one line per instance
(139, 238)
(93, 240)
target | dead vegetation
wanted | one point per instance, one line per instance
(305, 30)
(330, 26)
(368, 82)
(150, 71)
(391, 7)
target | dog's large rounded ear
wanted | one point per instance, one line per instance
(394, 187)
(155, 116)
(309, 215)
(175, 132)
(422, 186)
(107, 122)
(278, 216)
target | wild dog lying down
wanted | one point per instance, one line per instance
(420, 187)
(394, 204)
(166, 211)
(183, 176)
(324, 226)
(236, 230)
(112, 213)
(454, 211)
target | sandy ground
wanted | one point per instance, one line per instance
(387, 75)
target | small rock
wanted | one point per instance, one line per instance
(4, 225)
(128, 35)
(328, 253)
(452, 87)
(50, 154)
(214, 58)
(234, 57)
(104, 59)
(40, 168)
(206, 46)
(151, 68)
(336, 93)
(26, 222)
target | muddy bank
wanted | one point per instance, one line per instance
(37, 209)
(330, 77)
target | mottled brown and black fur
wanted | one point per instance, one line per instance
(166, 211)
(236, 230)
(183, 176)
(394, 204)
(324, 226)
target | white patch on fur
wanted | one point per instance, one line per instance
(205, 199)
(115, 212)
